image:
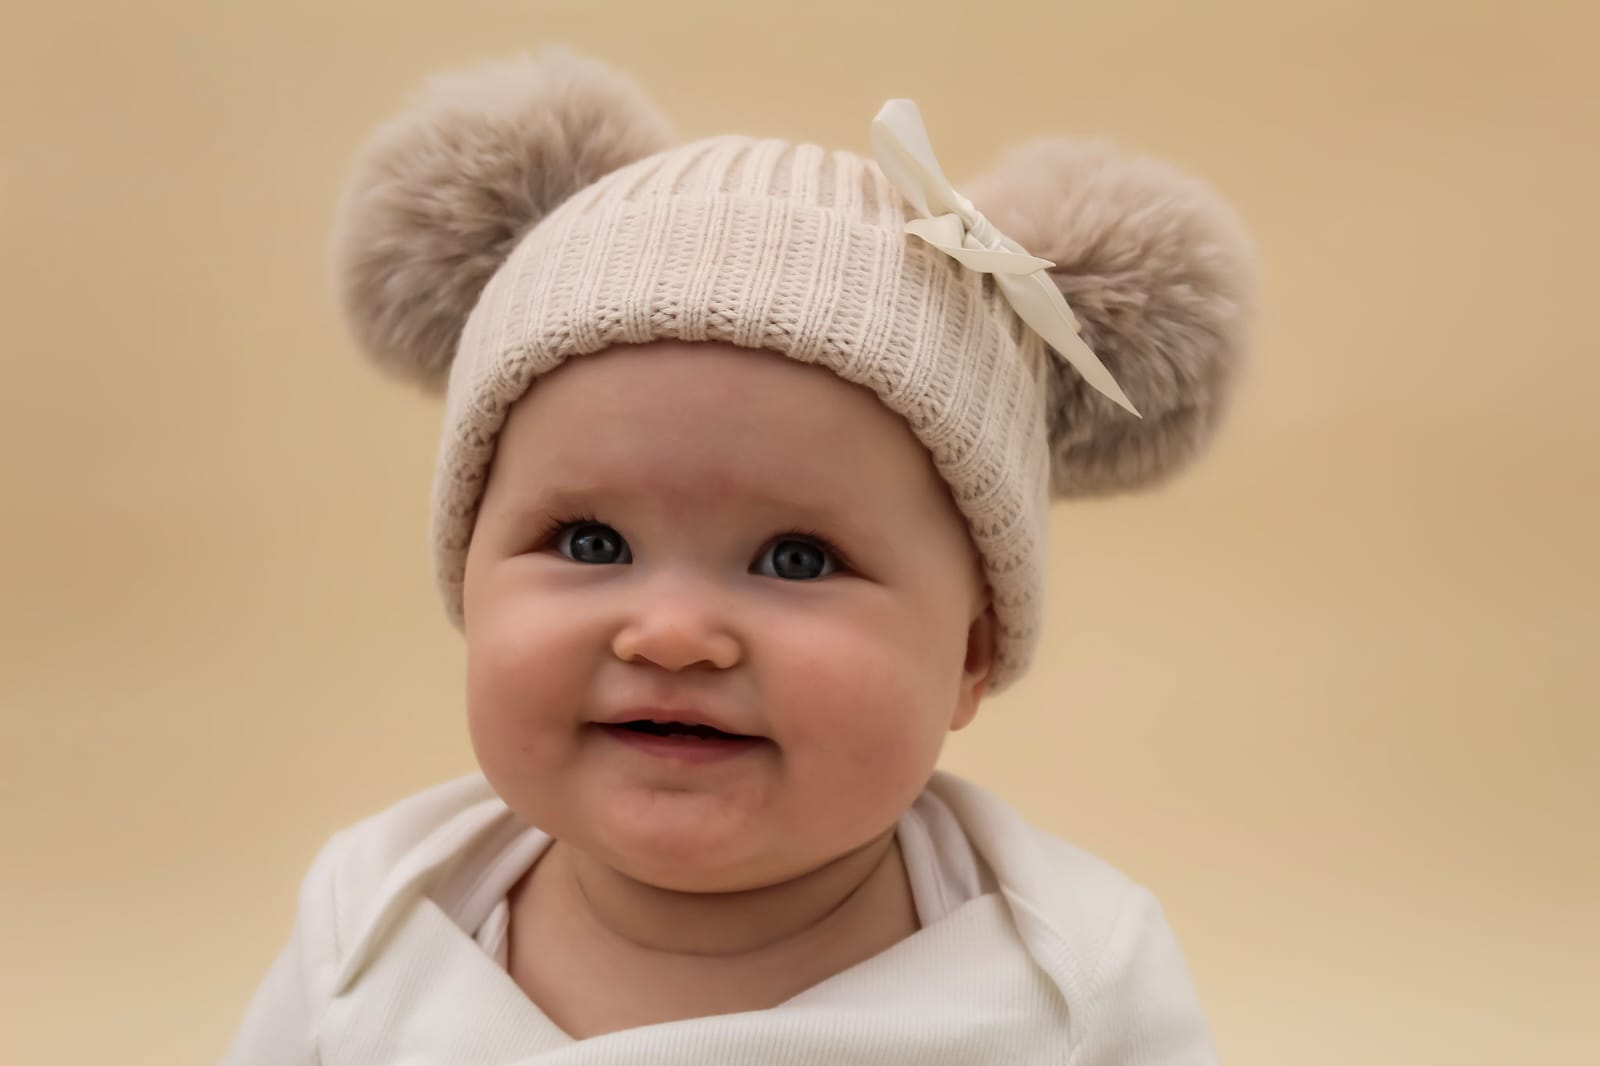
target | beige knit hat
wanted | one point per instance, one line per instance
(523, 212)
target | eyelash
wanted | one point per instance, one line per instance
(553, 526)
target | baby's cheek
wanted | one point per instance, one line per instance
(498, 679)
(519, 724)
(853, 708)
(526, 642)
(523, 687)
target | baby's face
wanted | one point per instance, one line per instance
(703, 528)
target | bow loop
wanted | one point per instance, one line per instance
(955, 227)
(947, 234)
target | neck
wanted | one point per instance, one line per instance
(859, 892)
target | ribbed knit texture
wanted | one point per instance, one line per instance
(1062, 962)
(791, 248)
(995, 1006)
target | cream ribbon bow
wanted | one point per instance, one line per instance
(954, 226)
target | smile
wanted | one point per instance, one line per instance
(685, 743)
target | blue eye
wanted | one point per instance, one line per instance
(594, 543)
(796, 559)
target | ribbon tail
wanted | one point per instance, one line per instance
(1040, 304)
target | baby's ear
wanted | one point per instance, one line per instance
(982, 635)
(441, 193)
(1159, 271)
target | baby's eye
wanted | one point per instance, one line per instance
(592, 542)
(796, 559)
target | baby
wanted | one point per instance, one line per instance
(741, 507)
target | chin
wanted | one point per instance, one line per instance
(681, 862)
(685, 857)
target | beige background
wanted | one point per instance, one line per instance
(1330, 696)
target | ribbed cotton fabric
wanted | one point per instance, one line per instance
(1050, 957)
(790, 248)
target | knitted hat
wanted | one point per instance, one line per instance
(524, 212)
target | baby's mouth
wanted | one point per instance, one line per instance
(683, 744)
(677, 729)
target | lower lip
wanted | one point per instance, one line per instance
(684, 748)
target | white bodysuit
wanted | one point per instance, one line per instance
(1031, 951)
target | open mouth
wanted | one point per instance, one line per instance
(683, 744)
(678, 729)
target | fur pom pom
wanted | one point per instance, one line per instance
(441, 193)
(1160, 273)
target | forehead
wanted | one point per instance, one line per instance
(705, 424)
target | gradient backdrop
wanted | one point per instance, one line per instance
(1330, 696)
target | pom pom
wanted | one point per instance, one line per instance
(1159, 271)
(441, 193)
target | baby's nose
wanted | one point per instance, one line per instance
(677, 632)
